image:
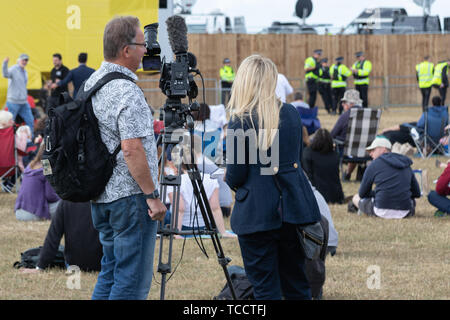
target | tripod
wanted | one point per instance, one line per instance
(165, 140)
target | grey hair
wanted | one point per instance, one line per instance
(5, 117)
(119, 32)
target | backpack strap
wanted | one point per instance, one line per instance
(104, 80)
(98, 85)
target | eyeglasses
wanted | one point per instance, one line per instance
(137, 44)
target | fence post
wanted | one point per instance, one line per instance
(386, 91)
(217, 91)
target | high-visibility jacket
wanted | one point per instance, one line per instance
(425, 71)
(311, 62)
(324, 75)
(440, 70)
(227, 74)
(339, 74)
(364, 68)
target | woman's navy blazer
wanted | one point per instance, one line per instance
(257, 197)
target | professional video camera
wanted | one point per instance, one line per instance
(177, 82)
(177, 78)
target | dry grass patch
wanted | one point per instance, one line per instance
(413, 255)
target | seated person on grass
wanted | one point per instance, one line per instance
(189, 213)
(439, 198)
(82, 246)
(396, 185)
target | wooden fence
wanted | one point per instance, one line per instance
(393, 57)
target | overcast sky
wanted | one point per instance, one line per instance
(261, 13)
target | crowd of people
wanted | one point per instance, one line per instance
(119, 229)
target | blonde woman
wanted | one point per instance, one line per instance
(268, 205)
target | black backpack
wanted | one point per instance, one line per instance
(76, 162)
(30, 258)
(242, 288)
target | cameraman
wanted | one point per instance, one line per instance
(125, 214)
(273, 259)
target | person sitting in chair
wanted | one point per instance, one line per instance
(437, 119)
(350, 100)
(395, 184)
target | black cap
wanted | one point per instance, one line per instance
(318, 51)
(339, 59)
(359, 54)
(324, 60)
(226, 60)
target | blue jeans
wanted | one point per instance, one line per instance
(440, 202)
(24, 110)
(128, 236)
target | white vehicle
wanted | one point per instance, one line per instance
(214, 22)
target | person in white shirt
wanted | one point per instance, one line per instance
(189, 214)
(210, 132)
(283, 88)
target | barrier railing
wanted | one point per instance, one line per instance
(390, 91)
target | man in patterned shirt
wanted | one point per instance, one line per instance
(126, 213)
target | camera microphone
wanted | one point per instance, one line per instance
(177, 32)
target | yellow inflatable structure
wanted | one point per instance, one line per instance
(41, 28)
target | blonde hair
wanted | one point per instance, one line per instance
(186, 148)
(253, 92)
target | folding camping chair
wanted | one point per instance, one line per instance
(309, 118)
(9, 169)
(361, 131)
(427, 139)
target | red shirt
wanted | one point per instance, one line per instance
(442, 187)
(30, 100)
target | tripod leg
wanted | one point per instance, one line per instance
(200, 194)
(205, 209)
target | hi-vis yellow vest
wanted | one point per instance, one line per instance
(310, 62)
(227, 73)
(437, 78)
(339, 75)
(364, 68)
(425, 71)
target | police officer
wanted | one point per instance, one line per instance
(312, 67)
(361, 70)
(440, 79)
(325, 85)
(339, 73)
(424, 74)
(227, 75)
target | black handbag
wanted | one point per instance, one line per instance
(311, 239)
(311, 236)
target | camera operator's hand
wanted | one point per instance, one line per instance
(156, 209)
